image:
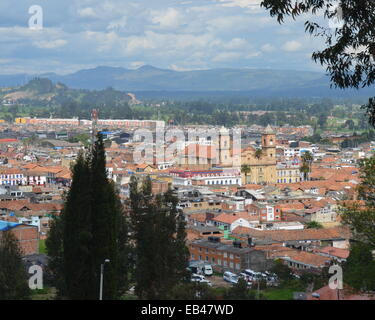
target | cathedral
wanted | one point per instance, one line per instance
(259, 165)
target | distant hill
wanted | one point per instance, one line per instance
(43, 91)
(255, 82)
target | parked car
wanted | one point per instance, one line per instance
(272, 279)
(201, 279)
(207, 270)
(252, 275)
(197, 278)
(208, 282)
(230, 277)
(244, 276)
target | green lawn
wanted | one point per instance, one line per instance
(278, 294)
(44, 294)
(42, 246)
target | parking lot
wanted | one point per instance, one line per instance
(217, 281)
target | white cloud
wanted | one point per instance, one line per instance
(182, 35)
(87, 12)
(136, 64)
(53, 44)
(253, 4)
(170, 18)
(236, 43)
(227, 56)
(118, 24)
(291, 46)
(267, 48)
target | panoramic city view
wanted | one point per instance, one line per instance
(206, 150)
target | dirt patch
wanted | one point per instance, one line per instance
(218, 281)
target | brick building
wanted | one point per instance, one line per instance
(27, 236)
(265, 212)
(228, 257)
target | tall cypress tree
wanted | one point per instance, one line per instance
(91, 228)
(78, 234)
(106, 217)
(159, 234)
(13, 277)
(55, 250)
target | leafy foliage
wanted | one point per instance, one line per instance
(350, 49)
(91, 228)
(13, 277)
(158, 228)
(359, 269)
(361, 220)
(314, 225)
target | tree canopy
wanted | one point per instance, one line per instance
(91, 228)
(13, 277)
(349, 51)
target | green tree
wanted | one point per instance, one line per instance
(283, 272)
(361, 219)
(159, 234)
(13, 277)
(258, 153)
(246, 169)
(322, 120)
(350, 48)
(360, 266)
(240, 291)
(106, 218)
(91, 228)
(78, 234)
(359, 269)
(55, 252)
(307, 159)
(314, 225)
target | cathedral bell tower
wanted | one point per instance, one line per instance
(269, 143)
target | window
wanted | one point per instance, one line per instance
(231, 256)
(238, 266)
(219, 262)
(225, 263)
(225, 255)
(231, 265)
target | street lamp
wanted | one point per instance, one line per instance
(101, 278)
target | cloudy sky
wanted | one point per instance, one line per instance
(174, 34)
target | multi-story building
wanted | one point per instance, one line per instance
(288, 171)
(265, 212)
(206, 177)
(12, 177)
(262, 162)
(227, 257)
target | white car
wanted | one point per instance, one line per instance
(201, 279)
(206, 282)
(207, 270)
(230, 277)
(197, 278)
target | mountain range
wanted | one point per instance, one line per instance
(257, 82)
